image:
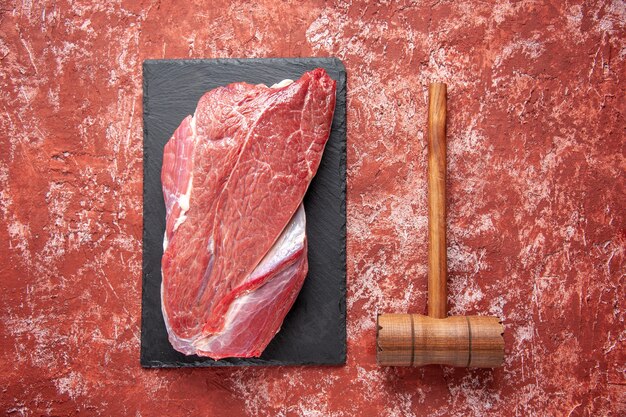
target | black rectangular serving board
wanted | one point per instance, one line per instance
(314, 331)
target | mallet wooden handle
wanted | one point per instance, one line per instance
(437, 260)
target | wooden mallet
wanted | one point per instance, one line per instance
(414, 339)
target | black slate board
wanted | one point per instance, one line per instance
(314, 331)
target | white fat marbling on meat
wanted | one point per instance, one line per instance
(283, 83)
(184, 200)
(289, 242)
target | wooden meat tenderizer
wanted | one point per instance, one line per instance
(414, 339)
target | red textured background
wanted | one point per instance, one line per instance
(537, 225)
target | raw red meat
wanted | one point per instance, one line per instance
(234, 176)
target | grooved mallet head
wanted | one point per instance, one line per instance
(414, 339)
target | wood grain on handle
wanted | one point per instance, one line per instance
(437, 294)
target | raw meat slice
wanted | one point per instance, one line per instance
(233, 177)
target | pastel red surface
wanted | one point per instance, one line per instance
(536, 201)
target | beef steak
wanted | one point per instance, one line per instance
(234, 175)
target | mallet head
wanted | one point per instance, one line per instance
(416, 340)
